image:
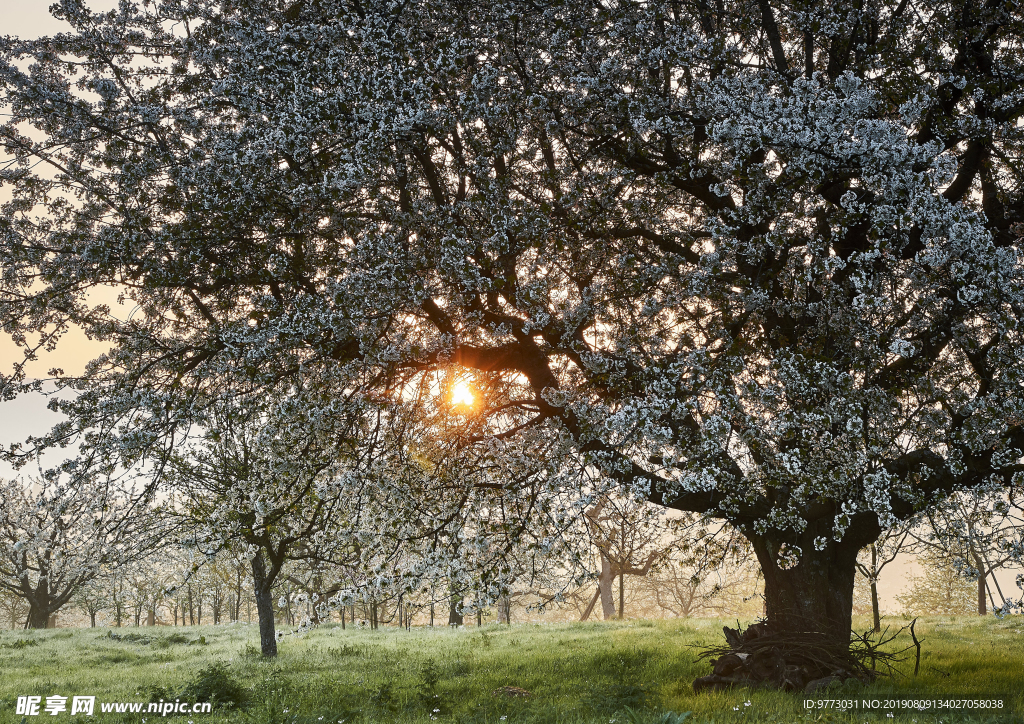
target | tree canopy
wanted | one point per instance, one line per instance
(759, 260)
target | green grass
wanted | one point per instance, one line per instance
(634, 672)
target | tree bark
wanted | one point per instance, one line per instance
(605, 580)
(455, 617)
(982, 589)
(590, 606)
(816, 595)
(38, 603)
(264, 605)
(875, 613)
(505, 609)
(37, 616)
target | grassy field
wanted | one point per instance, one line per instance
(634, 672)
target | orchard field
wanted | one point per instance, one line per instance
(633, 672)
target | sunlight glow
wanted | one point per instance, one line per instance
(462, 394)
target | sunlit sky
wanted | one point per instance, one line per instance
(29, 416)
(462, 394)
(31, 18)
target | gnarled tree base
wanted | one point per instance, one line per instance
(791, 661)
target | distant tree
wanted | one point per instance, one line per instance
(145, 586)
(862, 603)
(234, 571)
(940, 589)
(57, 535)
(630, 539)
(262, 480)
(13, 608)
(877, 556)
(92, 599)
(980, 532)
(711, 572)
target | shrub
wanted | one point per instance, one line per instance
(215, 685)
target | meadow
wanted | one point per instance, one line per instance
(632, 672)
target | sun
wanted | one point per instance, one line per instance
(462, 394)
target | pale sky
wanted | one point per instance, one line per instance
(31, 18)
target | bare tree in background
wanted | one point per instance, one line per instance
(978, 532)
(630, 538)
(877, 556)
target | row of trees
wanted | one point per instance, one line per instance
(757, 262)
(222, 592)
(677, 566)
(706, 580)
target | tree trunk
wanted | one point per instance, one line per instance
(264, 606)
(982, 588)
(605, 581)
(92, 619)
(455, 611)
(38, 604)
(622, 596)
(815, 595)
(38, 617)
(875, 614)
(238, 593)
(808, 607)
(590, 606)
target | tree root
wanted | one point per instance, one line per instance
(790, 661)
